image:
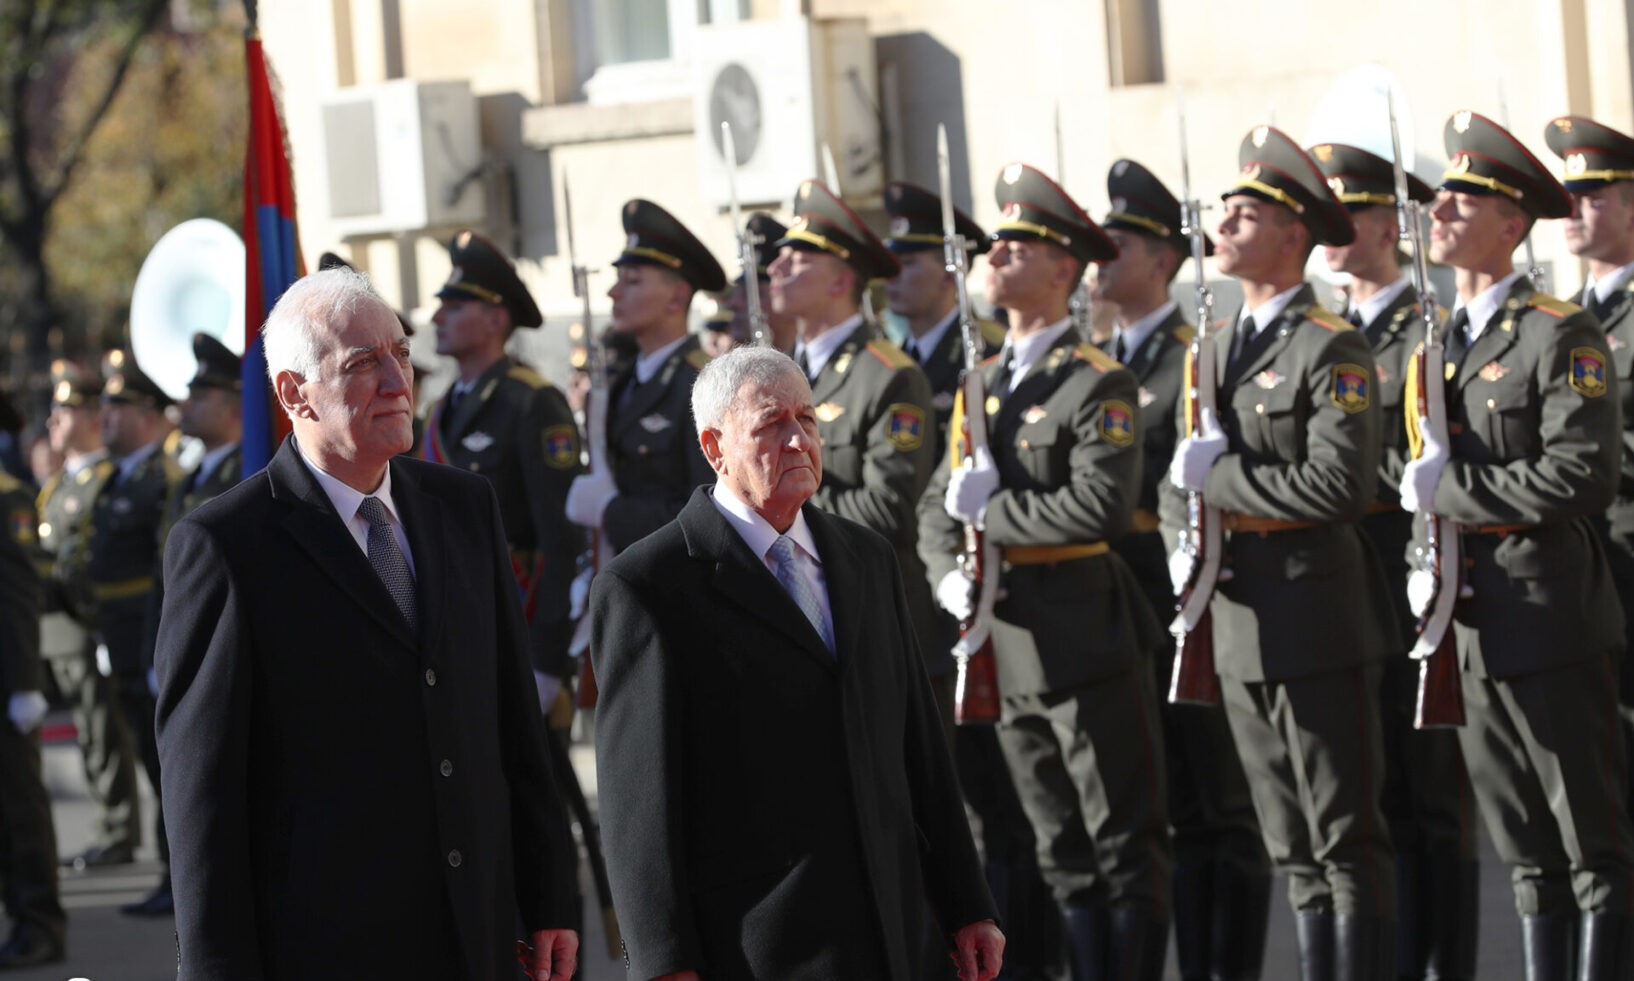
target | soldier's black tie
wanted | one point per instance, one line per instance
(800, 359)
(1458, 337)
(388, 560)
(1243, 344)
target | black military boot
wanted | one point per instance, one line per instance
(1194, 913)
(1089, 931)
(1364, 948)
(1242, 914)
(1314, 929)
(1452, 919)
(1138, 942)
(1605, 941)
(1549, 946)
(1413, 932)
(1033, 943)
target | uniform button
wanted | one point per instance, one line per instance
(45, 529)
(1025, 444)
(446, 769)
(455, 858)
(476, 467)
(431, 677)
(1260, 408)
(1492, 403)
(640, 451)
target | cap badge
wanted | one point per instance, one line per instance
(65, 391)
(1012, 173)
(805, 188)
(1260, 133)
(1576, 163)
(456, 274)
(1323, 153)
(1564, 125)
(1120, 204)
(1460, 121)
(1119, 167)
(633, 241)
(1251, 171)
(462, 239)
(899, 226)
(1462, 163)
(1012, 210)
(1337, 184)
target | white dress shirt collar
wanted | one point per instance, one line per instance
(1027, 351)
(346, 500)
(647, 365)
(755, 531)
(1266, 313)
(929, 341)
(1135, 334)
(1603, 288)
(128, 463)
(74, 465)
(822, 347)
(1485, 304)
(1370, 308)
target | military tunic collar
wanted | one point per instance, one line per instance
(933, 338)
(1134, 335)
(127, 464)
(1370, 308)
(84, 461)
(647, 365)
(1602, 289)
(822, 347)
(1485, 305)
(1029, 351)
(1267, 313)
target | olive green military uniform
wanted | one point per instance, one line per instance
(945, 365)
(653, 442)
(28, 842)
(516, 429)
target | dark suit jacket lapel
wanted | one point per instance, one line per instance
(1497, 336)
(312, 522)
(423, 519)
(742, 579)
(845, 599)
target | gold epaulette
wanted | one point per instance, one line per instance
(697, 358)
(8, 483)
(1554, 306)
(1327, 319)
(992, 332)
(1185, 333)
(890, 354)
(1095, 356)
(526, 376)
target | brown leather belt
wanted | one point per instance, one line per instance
(1144, 521)
(1234, 521)
(1502, 531)
(1046, 554)
(1383, 507)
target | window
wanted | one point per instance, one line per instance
(639, 48)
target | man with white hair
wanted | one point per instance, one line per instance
(354, 779)
(776, 795)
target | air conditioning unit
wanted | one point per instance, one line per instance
(403, 156)
(788, 87)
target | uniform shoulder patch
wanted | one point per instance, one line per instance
(1185, 334)
(561, 446)
(892, 356)
(1554, 306)
(1588, 369)
(1095, 356)
(1352, 389)
(697, 358)
(905, 427)
(526, 375)
(1327, 319)
(8, 483)
(992, 332)
(1117, 422)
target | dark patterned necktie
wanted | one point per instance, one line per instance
(798, 587)
(388, 560)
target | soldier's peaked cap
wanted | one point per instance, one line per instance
(1142, 204)
(767, 232)
(128, 383)
(1487, 159)
(481, 272)
(916, 221)
(654, 237)
(1275, 169)
(1595, 155)
(1360, 179)
(1035, 208)
(822, 223)
(218, 365)
(72, 385)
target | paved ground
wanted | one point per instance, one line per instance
(105, 946)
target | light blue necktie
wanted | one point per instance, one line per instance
(798, 587)
(388, 560)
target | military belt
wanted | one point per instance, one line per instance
(1144, 521)
(1047, 554)
(102, 592)
(1383, 507)
(1502, 531)
(1237, 522)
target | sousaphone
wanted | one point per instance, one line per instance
(191, 282)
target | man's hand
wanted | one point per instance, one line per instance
(953, 595)
(25, 710)
(978, 951)
(1421, 475)
(1182, 566)
(970, 487)
(1195, 455)
(554, 955)
(588, 498)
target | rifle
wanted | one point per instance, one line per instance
(747, 240)
(1194, 681)
(1440, 699)
(595, 424)
(976, 693)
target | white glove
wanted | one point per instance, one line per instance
(588, 498)
(953, 594)
(1181, 563)
(1195, 455)
(25, 710)
(104, 661)
(153, 682)
(1420, 588)
(546, 685)
(970, 487)
(1420, 477)
(578, 593)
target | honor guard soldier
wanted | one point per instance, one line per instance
(873, 402)
(124, 543)
(502, 420)
(1536, 446)
(212, 413)
(65, 504)
(651, 437)
(1599, 176)
(1222, 878)
(27, 838)
(768, 231)
(1299, 626)
(1427, 803)
(1079, 722)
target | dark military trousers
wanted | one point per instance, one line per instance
(140, 710)
(1546, 758)
(1088, 768)
(28, 841)
(107, 745)
(1314, 757)
(1617, 527)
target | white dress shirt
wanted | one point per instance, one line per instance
(822, 347)
(1485, 304)
(926, 342)
(759, 536)
(1370, 308)
(647, 365)
(1135, 334)
(1603, 288)
(1027, 351)
(348, 499)
(1266, 313)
